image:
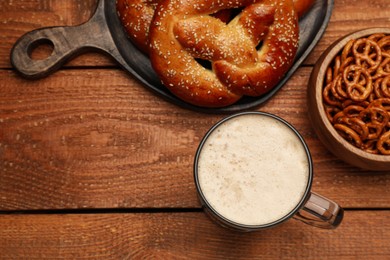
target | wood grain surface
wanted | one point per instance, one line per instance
(93, 165)
(90, 138)
(188, 236)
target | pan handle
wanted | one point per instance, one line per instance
(67, 43)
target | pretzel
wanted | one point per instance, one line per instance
(350, 111)
(376, 120)
(385, 86)
(358, 82)
(349, 134)
(356, 93)
(329, 97)
(384, 43)
(383, 103)
(377, 88)
(383, 144)
(356, 124)
(370, 146)
(347, 50)
(183, 33)
(136, 17)
(367, 54)
(302, 6)
(331, 111)
(384, 67)
(347, 104)
(376, 37)
(339, 88)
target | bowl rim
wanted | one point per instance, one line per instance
(324, 61)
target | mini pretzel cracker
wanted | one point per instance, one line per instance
(356, 93)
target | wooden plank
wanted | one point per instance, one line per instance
(19, 17)
(90, 139)
(363, 235)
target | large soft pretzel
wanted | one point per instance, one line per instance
(136, 17)
(183, 33)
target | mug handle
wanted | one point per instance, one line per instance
(320, 212)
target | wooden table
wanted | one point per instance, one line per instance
(94, 165)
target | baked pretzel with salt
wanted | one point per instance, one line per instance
(136, 17)
(182, 33)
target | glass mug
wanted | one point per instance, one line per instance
(253, 170)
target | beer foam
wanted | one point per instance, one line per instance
(253, 169)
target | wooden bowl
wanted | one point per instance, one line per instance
(323, 127)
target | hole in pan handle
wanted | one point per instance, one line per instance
(67, 42)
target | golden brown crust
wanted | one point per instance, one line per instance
(136, 17)
(183, 32)
(302, 6)
(190, 34)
